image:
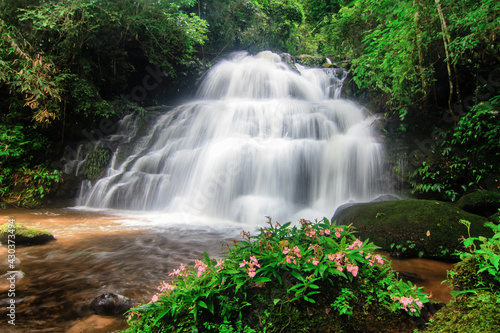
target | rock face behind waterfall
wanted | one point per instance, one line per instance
(261, 139)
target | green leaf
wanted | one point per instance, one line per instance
(261, 279)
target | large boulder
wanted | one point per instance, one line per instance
(413, 228)
(484, 203)
(24, 235)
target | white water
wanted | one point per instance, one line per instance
(260, 140)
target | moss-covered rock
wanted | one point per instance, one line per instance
(413, 228)
(495, 218)
(24, 235)
(474, 313)
(484, 203)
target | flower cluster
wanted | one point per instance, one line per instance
(202, 267)
(341, 260)
(325, 232)
(292, 255)
(220, 265)
(408, 303)
(374, 259)
(357, 244)
(251, 266)
(163, 288)
(181, 271)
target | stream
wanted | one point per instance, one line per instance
(97, 252)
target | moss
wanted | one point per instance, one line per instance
(96, 161)
(495, 218)
(484, 203)
(25, 235)
(413, 228)
(473, 313)
(464, 274)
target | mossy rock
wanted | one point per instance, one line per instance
(473, 313)
(495, 218)
(484, 203)
(413, 228)
(24, 235)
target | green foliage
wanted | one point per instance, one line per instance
(470, 154)
(22, 147)
(474, 24)
(475, 281)
(96, 161)
(27, 187)
(484, 257)
(253, 26)
(275, 272)
(87, 100)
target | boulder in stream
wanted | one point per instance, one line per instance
(413, 228)
(111, 304)
(24, 235)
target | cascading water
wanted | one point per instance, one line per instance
(261, 139)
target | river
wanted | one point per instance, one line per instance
(97, 252)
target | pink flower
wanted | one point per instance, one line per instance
(297, 252)
(181, 271)
(154, 298)
(355, 245)
(251, 271)
(165, 286)
(220, 265)
(310, 232)
(254, 261)
(353, 269)
(327, 232)
(286, 250)
(202, 267)
(315, 262)
(407, 303)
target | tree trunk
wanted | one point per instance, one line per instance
(446, 42)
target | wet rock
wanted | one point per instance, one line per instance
(408, 276)
(382, 197)
(413, 228)
(111, 304)
(98, 324)
(24, 235)
(484, 203)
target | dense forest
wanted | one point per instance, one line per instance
(431, 67)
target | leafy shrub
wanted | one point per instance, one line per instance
(480, 266)
(476, 286)
(470, 154)
(320, 268)
(29, 186)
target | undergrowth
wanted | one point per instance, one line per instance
(313, 277)
(475, 281)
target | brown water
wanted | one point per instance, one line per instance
(96, 253)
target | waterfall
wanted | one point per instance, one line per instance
(262, 138)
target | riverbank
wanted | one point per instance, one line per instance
(96, 253)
